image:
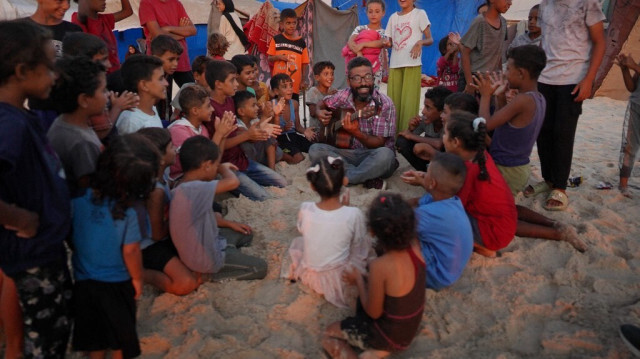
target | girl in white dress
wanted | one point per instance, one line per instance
(334, 236)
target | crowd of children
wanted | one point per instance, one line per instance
(137, 200)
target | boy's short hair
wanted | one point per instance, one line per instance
(278, 79)
(529, 57)
(218, 71)
(242, 61)
(462, 101)
(535, 7)
(381, 2)
(23, 42)
(192, 96)
(442, 45)
(160, 137)
(138, 68)
(241, 97)
(76, 75)
(288, 14)
(217, 44)
(195, 151)
(437, 95)
(83, 44)
(199, 64)
(449, 171)
(357, 62)
(320, 66)
(165, 43)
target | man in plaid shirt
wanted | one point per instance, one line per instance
(371, 156)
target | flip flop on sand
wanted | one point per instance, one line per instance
(536, 189)
(557, 196)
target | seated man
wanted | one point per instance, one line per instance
(370, 153)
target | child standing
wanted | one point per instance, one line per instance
(162, 267)
(323, 74)
(420, 142)
(199, 242)
(375, 13)
(79, 93)
(144, 75)
(288, 52)
(334, 235)
(443, 227)
(294, 139)
(91, 21)
(575, 44)
(35, 215)
(631, 126)
(406, 29)
(533, 35)
(449, 64)
(391, 302)
(107, 263)
(482, 44)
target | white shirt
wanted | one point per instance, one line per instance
(404, 31)
(132, 121)
(566, 41)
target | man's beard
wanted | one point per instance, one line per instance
(357, 96)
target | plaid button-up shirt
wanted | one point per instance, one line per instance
(382, 124)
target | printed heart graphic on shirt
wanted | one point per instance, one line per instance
(402, 34)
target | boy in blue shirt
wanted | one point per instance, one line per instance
(443, 227)
(35, 215)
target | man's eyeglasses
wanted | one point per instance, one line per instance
(358, 78)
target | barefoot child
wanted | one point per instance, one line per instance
(420, 142)
(162, 267)
(631, 127)
(443, 227)
(406, 29)
(79, 93)
(202, 246)
(334, 235)
(391, 302)
(107, 262)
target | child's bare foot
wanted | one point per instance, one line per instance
(485, 252)
(570, 235)
(625, 191)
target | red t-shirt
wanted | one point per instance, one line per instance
(491, 203)
(102, 27)
(234, 154)
(165, 13)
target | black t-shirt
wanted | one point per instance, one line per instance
(58, 31)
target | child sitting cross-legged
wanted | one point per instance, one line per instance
(294, 139)
(202, 246)
(264, 152)
(334, 236)
(443, 227)
(162, 267)
(107, 262)
(423, 139)
(143, 75)
(389, 309)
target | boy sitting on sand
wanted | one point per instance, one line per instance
(201, 245)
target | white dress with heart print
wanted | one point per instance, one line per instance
(404, 31)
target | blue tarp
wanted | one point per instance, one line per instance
(445, 16)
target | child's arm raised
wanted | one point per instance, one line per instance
(132, 256)
(626, 64)
(229, 179)
(371, 297)
(23, 221)
(125, 12)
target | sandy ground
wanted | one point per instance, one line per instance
(540, 299)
